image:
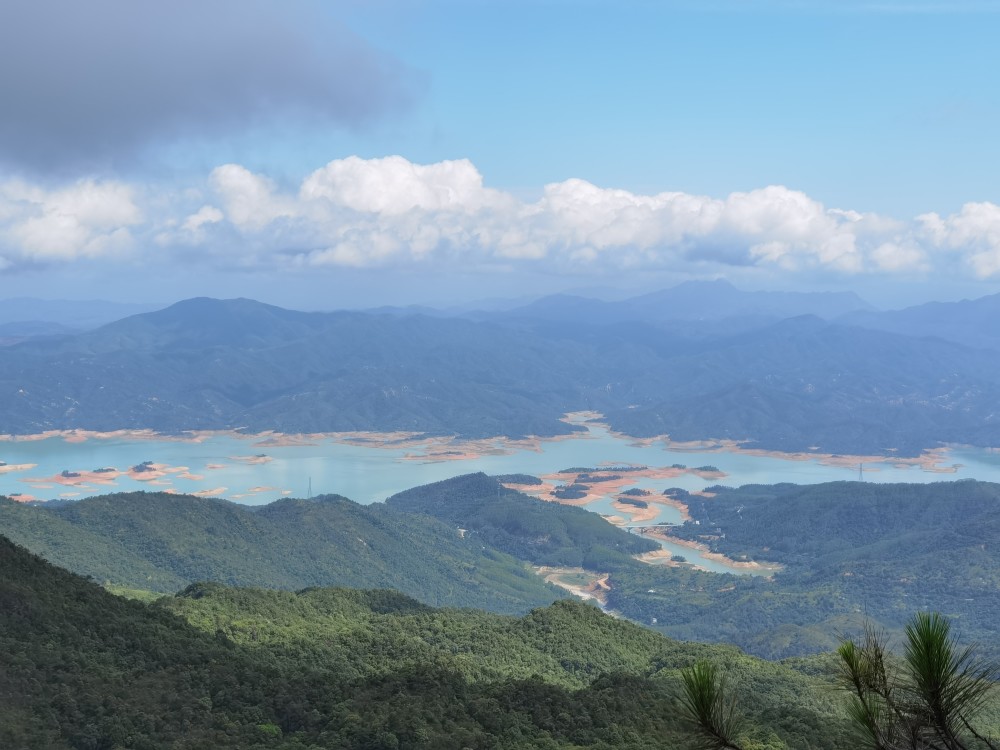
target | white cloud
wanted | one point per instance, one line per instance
(250, 200)
(393, 185)
(386, 212)
(892, 256)
(204, 215)
(87, 219)
(974, 232)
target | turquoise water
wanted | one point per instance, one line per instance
(369, 474)
(223, 465)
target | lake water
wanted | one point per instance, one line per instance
(254, 470)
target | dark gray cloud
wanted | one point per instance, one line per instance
(89, 84)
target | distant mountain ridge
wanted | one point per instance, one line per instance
(206, 363)
(784, 384)
(693, 301)
(974, 323)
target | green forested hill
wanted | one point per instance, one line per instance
(851, 549)
(848, 550)
(83, 550)
(544, 533)
(162, 542)
(336, 669)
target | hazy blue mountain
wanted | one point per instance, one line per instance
(694, 301)
(240, 363)
(971, 322)
(803, 382)
(407, 310)
(788, 385)
(31, 328)
(706, 300)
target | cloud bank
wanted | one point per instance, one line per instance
(392, 213)
(90, 84)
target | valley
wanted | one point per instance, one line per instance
(403, 453)
(499, 375)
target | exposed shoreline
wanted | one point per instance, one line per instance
(611, 481)
(706, 553)
(595, 588)
(431, 448)
(612, 488)
(422, 448)
(931, 459)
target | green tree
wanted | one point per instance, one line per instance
(928, 700)
(711, 712)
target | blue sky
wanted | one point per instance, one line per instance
(890, 111)
(352, 153)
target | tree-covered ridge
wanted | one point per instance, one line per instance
(568, 643)
(544, 533)
(820, 524)
(86, 551)
(850, 549)
(163, 542)
(345, 669)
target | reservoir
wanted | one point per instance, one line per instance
(369, 468)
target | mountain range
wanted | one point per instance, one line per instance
(968, 322)
(691, 301)
(655, 365)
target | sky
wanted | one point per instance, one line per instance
(368, 152)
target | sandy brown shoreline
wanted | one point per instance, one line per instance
(930, 460)
(611, 488)
(451, 448)
(419, 447)
(705, 552)
(596, 587)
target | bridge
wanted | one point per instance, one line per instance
(644, 528)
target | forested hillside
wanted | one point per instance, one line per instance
(163, 542)
(850, 549)
(544, 533)
(82, 668)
